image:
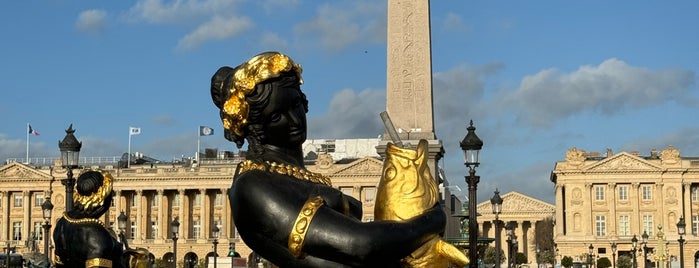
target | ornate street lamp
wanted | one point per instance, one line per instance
(634, 245)
(231, 252)
(681, 231)
(175, 226)
(511, 241)
(538, 251)
(215, 233)
(613, 254)
(121, 223)
(496, 202)
(591, 255)
(47, 210)
(70, 155)
(471, 145)
(644, 236)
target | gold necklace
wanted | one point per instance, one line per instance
(81, 221)
(284, 169)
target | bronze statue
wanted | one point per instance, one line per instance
(287, 214)
(81, 238)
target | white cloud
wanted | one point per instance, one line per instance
(340, 25)
(453, 22)
(272, 41)
(179, 11)
(91, 21)
(608, 88)
(350, 115)
(216, 29)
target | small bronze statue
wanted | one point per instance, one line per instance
(81, 238)
(287, 214)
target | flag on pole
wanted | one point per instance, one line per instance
(134, 131)
(205, 131)
(33, 131)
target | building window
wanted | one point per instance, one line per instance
(646, 192)
(154, 229)
(38, 199)
(218, 199)
(328, 146)
(197, 199)
(155, 201)
(134, 229)
(599, 192)
(648, 224)
(623, 193)
(134, 201)
(601, 225)
(176, 200)
(695, 224)
(694, 191)
(39, 230)
(196, 229)
(347, 190)
(217, 223)
(624, 225)
(369, 194)
(368, 218)
(17, 230)
(18, 200)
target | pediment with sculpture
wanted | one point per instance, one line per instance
(19, 171)
(519, 203)
(623, 162)
(363, 166)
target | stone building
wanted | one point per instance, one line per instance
(610, 198)
(523, 212)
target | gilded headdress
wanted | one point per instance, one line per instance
(234, 113)
(96, 198)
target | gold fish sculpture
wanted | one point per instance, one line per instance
(407, 189)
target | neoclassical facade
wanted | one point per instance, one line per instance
(523, 212)
(610, 198)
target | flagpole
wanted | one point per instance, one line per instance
(128, 163)
(198, 142)
(27, 131)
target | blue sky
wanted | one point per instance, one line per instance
(537, 77)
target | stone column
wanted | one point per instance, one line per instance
(635, 198)
(205, 229)
(559, 222)
(611, 196)
(224, 215)
(26, 205)
(184, 215)
(590, 200)
(162, 227)
(4, 195)
(686, 203)
(139, 215)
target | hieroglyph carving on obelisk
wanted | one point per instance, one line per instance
(409, 69)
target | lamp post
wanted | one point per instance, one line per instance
(496, 202)
(471, 145)
(121, 223)
(231, 252)
(681, 231)
(215, 232)
(47, 210)
(511, 241)
(591, 255)
(644, 236)
(175, 226)
(634, 245)
(70, 155)
(613, 254)
(538, 251)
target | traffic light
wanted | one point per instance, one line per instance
(231, 250)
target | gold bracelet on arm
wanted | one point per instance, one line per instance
(98, 262)
(300, 228)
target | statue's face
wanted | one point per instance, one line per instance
(285, 116)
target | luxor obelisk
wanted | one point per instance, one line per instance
(409, 77)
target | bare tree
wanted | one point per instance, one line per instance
(543, 240)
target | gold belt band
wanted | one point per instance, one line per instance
(298, 232)
(98, 262)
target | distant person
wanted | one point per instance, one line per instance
(285, 213)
